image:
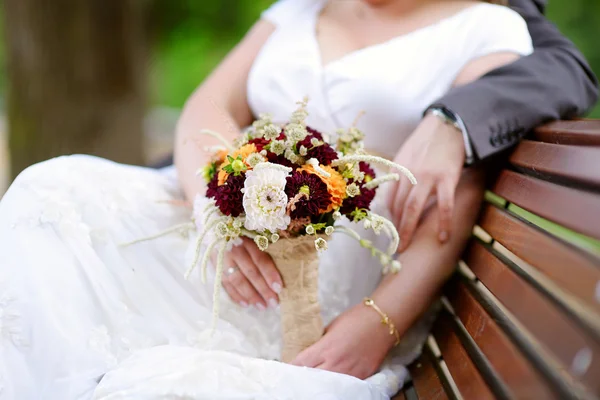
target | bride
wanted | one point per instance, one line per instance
(82, 316)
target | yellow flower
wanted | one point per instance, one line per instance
(336, 185)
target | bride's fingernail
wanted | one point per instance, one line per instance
(272, 303)
(260, 307)
(244, 304)
(276, 287)
(443, 236)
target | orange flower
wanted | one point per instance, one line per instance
(222, 177)
(336, 185)
(220, 156)
(243, 151)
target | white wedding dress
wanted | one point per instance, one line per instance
(83, 317)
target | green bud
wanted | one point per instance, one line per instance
(304, 189)
(238, 166)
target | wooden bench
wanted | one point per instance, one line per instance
(521, 316)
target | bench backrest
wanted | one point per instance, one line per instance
(521, 317)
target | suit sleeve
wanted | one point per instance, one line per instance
(552, 83)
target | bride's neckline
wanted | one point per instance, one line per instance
(316, 16)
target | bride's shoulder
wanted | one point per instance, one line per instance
(283, 11)
(482, 13)
(486, 28)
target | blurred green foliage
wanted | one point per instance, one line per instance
(195, 36)
(580, 21)
(188, 38)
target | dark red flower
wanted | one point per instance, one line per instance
(260, 143)
(314, 133)
(363, 200)
(229, 196)
(366, 196)
(281, 160)
(213, 185)
(325, 154)
(317, 199)
(367, 170)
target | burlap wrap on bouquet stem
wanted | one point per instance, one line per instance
(301, 322)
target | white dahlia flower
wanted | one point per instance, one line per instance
(265, 200)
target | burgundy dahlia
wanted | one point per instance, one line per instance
(275, 159)
(363, 200)
(260, 143)
(213, 185)
(315, 198)
(314, 133)
(325, 154)
(366, 196)
(229, 196)
(367, 170)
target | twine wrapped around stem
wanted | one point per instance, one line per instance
(301, 323)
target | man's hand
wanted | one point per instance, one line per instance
(435, 154)
(356, 343)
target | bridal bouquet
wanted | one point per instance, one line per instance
(285, 187)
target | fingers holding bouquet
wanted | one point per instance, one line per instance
(250, 277)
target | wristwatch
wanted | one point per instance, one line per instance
(450, 117)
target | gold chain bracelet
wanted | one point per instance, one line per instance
(384, 319)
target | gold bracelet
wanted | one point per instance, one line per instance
(384, 319)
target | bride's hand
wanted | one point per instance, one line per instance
(356, 343)
(255, 280)
(435, 154)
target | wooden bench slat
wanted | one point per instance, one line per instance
(524, 381)
(426, 381)
(564, 385)
(549, 255)
(466, 376)
(574, 209)
(571, 164)
(577, 132)
(543, 319)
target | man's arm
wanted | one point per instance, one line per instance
(552, 83)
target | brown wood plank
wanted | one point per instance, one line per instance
(550, 256)
(524, 381)
(572, 208)
(549, 325)
(466, 376)
(578, 132)
(426, 381)
(574, 164)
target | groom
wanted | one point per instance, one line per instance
(472, 123)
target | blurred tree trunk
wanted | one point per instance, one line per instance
(76, 79)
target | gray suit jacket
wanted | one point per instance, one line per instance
(552, 83)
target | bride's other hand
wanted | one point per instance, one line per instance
(250, 276)
(355, 343)
(435, 154)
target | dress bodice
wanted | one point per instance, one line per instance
(392, 82)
